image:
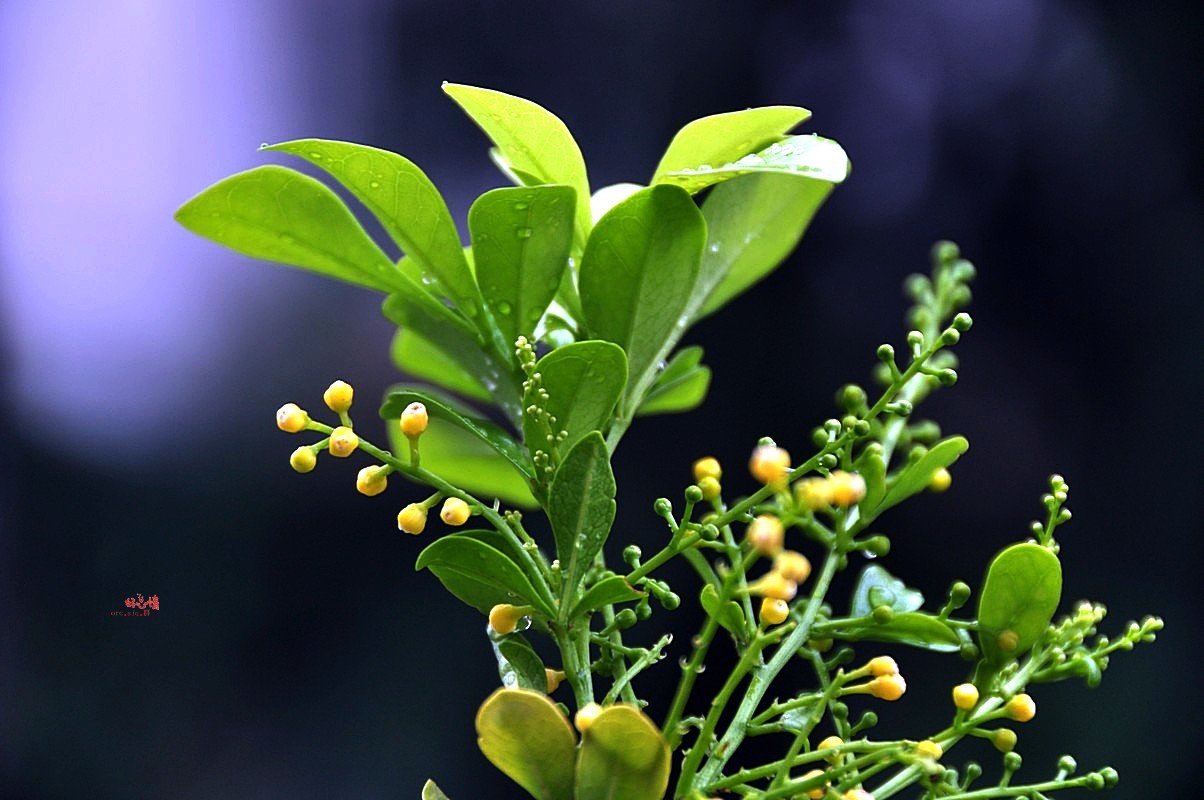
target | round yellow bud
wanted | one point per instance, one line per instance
(338, 397)
(857, 794)
(343, 442)
(769, 464)
(1008, 641)
(414, 420)
(830, 743)
(774, 585)
(371, 481)
(455, 512)
(940, 480)
(710, 487)
(1004, 740)
(929, 749)
(707, 468)
(303, 459)
(586, 715)
(412, 519)
(503, 618)
(1021, 708)
(554, 677)
(813, 494)
(774, 611)
(965, 696)
(290, 418)
(765, 534)
(847, 488)
(819, 791)
(792, 566)
(883, 665)
(887, 687)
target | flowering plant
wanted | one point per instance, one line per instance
(539, 344)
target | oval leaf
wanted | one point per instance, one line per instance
(728, 613)
(807, 156)
(478, 574)
(683, 392)
(622, 757)
(584, 381)
(278, 214)
(1019, 598)
(432, 792)
(909, 628)
(407, 204)
(608, 591)
(518, 665)
(421, 358)
(637, 274)
(524, 735)
(581, 507)
(915, 477)
(877, 587)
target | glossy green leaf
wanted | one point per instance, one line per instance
(915, 477)
(606, 198)
(432, 792)
(478, 574)
(727, 613)
(723, 138)
(806, 156)
(517, 177)
(464, 460)
(622, 757)
(534, 142)
(753, 224)
(420, 358)
(1019, 598)
(608, 591)
(518, 665)
(584, 381)
(408, 205)
(445, 408)
(681, 386)
(523, 734)
(502, 543)
(581, 507)
(638, 271)
(278, 214)
(521, 238)
(910, 628)
(877, 587)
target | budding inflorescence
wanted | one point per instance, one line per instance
(303, 459)
(371, 481)
(455, 512)
(965, 696)
(291, 418)
(774, 611)
(1021, 708)
(586, 715)
(840, 489)
(769, 464)
(338, 397)
(414, 420)
(503, 617)
(412, 519)
(766, 535)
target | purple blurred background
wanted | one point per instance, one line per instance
(296, 654)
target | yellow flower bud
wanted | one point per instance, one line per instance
(343, 442)
(792, 566)
(819, 791)
(1004, 740)
(290, 418)
(774, 585)
(765, 534)
(813, 493)
(303, 459)
(769, 464)
(1021, 708)
(857, 794)
(503, 618)
(710, 487)
(887, 687)
(412, 518)
(940, 480)
(554, 677)
(965, 696)
(929, 749)
(455, 512)
(847, 488)
(707, 468)
(1008, 640)
(830, 743)
(883, 665)
(414, 420)
(586, 715)
(338, 397)
(774, 611)
(371, 481)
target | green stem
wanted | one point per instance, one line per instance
(641, 664)
(686, 685)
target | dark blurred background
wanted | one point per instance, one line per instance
(296, 654)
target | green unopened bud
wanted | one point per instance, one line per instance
(915, 340)
(693, 493)
(631, 555)
(1110, 776)
(709, 532)
(625, 619)
(946, 377)
(1012, 761)
(962, 322)
(886, 353)
(877, 545)
(883, 614)
(851, 397)
(959, 593)
(945, 252)
(1067, 764)
(662, 507)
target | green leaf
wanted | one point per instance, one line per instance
(877, 587)
(753, 224)
(521, 239)
(872, 468)
(622, 757)
(1019, 598)
(608, 591)
(420, 358)
(807, 156)
(518, 665)
(463, 459)
(606, 198)
(517, 177)
(915, 477)
(727, 613)
(681, 386)
(432, 792)
(723, 138)
(910, 628)
(523, 734)
(584, 381)
(478, 574)
(581, 507)
(445, 408)
(408, 205)
(638, 271)
(534, 142)
(503, 543)
(278, 214)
